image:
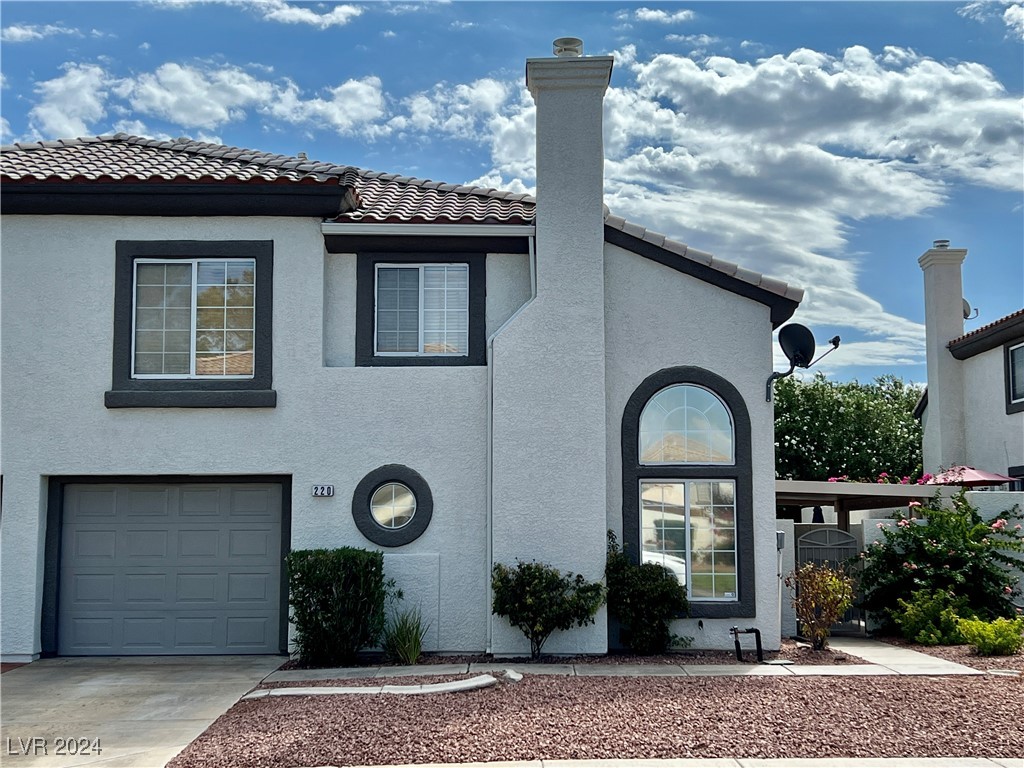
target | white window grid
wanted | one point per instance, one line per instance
(687, 495)
(731, 460)
(1015, 361)
(193, 309)
(420, 324)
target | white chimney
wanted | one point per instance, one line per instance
(944, 436)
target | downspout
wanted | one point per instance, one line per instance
(489, 512)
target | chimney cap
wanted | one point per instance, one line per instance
(941, 244)
(568, 47)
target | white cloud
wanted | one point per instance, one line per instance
(6, 134)
(70, 103)
(195, 97)
(23, 33)
(278, 10)
(663, 17)
(353, 105)
(700, 40)
(388, 33)
(1010, 12)
(461, 25)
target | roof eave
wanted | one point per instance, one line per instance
(173, 199)
(982, 341)
(781, 307)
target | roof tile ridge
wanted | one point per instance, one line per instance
(459, 189)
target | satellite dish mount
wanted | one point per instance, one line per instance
(797, 344)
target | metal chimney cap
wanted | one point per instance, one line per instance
(568, 47)
(941, 244)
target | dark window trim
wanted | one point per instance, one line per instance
(781, 308)
(365, 296)
(741, 472)
(55, 521)
(1011, 407)
(257, 392)
(392, 537)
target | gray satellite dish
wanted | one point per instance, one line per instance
(797, 344)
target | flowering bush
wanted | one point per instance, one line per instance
(957, 552)
(1002, 637)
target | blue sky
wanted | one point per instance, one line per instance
(823, 143)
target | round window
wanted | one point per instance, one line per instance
(393, 506)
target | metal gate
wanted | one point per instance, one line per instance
(837, 548)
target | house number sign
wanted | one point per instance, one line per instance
(323, 490)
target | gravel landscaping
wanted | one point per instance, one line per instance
(545, 717)
(964, 654)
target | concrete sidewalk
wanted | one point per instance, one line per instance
(877, 659)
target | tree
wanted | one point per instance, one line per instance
(826, 429)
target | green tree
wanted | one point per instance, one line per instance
(826, 429)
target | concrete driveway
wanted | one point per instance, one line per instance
(139, 711)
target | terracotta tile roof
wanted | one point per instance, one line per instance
(122, 157)
(377, 197)
(995, 325)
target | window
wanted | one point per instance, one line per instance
(194, 318)
(687, 487)
(392, 505)
(422, 309)
(1014, 378)
(192, 324)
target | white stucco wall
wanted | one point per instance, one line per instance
(331, 424)
(995, 439)
(658, 318)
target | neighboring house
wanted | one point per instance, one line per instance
(973, 409)
(199, 339)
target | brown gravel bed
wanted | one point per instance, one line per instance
(964, 654)
(586, 718)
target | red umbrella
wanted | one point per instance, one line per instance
(969, 476)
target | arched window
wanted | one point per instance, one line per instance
(687, 487)
(686, 424)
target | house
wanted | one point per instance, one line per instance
(973, 409)
(215, 355)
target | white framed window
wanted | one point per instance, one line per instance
(689, 526)
(421, 309)
(686, 424)
(193, 318)
(1015, 373)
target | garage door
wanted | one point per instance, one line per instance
(170, 569)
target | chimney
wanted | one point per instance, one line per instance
(944, 437)
(569, 92)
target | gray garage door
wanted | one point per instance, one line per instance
(170, 569)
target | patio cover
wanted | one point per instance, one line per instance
(969, 477)
(850, 496)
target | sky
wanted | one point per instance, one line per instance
(827, 144)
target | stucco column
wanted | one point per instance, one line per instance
(548, 420)
(944, 437)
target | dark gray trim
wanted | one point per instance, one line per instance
(55, 517)
(173, 199)
(922, 404)
(257, 392)
(1011, 407)
(1009, 330)
(1016, 471)
(782, 309)
(388, 537)
(439, 244)
(740, 472)
(365, 296)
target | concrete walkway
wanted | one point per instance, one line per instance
(877, 659)
(139, 711)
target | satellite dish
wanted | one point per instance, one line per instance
(797, 344)
(968, 309)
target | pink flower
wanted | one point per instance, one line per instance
(903, 523)
(1007, 591)
(905, 480)
(999, 524)
(879, 525)
(914, 504)
(910, 566)
(1017, 527)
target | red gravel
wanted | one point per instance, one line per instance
(545, 717)
(966, 655)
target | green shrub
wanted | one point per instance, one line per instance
(337, 598)
(822, 596)
(538, 599)
(645, 598)
(957, 551)
(1002, 637)
(929, 617)
(403, 636)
